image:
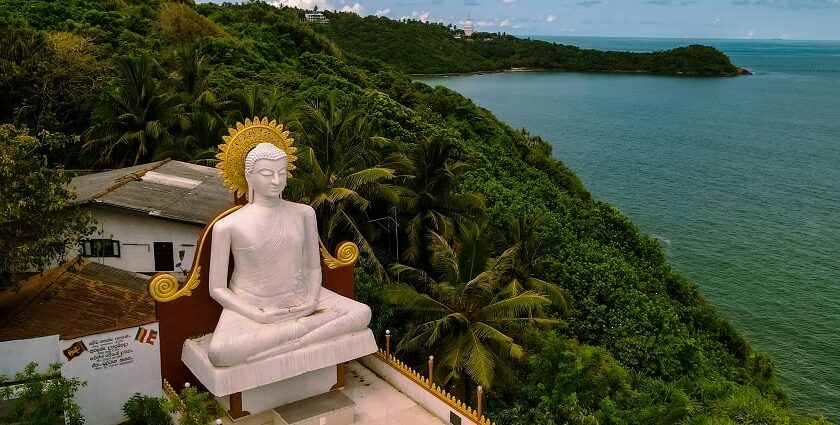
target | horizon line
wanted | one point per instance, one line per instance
(670, 37)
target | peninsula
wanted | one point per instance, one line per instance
(418, 47)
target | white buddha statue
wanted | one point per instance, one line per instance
(273, 302)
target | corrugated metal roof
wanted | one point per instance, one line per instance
(175, 190)
(72, 301)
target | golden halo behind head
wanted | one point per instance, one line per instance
(241, 140)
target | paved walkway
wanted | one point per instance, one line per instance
(378, 403)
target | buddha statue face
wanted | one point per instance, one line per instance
(265, 172)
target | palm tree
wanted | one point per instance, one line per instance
(343, 170)
(465, 320)
(517, 263)
(250, 103)
(200, 127)
(197, 139)
(428, 202)
(135, 117)
(193, 84)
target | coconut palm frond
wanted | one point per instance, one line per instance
(558, 296)
(516, 306)
(404, 296)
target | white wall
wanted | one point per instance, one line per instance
(115, 365)
(137, 233)
(15, 355)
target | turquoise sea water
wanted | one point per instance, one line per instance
(738, 178)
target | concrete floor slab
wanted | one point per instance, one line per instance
(377, 402)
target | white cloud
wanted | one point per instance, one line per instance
(785, 36)
(505, 22)
(383, 12)
(508, 1)
(356, 8)
(422, 16)
(716, 21)
(750, 34)
(304, 4)
(550, 18)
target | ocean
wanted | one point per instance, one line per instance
(737, 177)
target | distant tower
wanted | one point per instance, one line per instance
(468, 27)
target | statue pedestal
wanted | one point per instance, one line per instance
(278, 380)
(266, 397)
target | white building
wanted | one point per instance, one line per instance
(316, 18)
(469, 30)
(150, 216)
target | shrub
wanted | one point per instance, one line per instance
(195, 407)
(145, 410)
(43, 398)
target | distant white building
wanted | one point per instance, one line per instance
(150, 216)
(316, 18)
(469, 30)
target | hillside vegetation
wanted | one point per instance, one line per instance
(507, 270)
(427, 48)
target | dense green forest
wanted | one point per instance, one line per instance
(428, 48)
(507, 270)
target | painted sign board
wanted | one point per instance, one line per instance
(115, 365)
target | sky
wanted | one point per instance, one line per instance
(759, 19)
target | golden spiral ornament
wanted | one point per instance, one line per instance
(345, 255)
(240, 140)
(163, 287)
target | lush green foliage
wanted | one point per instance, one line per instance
(467, 319)
(42, 398)
(640, 342)
(427, 201)
(195, 407)
(429, 48)
(146, 410)
(573, 383)
(343, 171)
(39, 219)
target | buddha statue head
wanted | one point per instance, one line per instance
(265, 171)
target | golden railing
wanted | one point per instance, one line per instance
(427, 382)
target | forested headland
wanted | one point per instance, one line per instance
(507, 271)
(431, 48)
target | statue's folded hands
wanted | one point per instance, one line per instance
(280, 314)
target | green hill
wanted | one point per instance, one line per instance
(428, 48)
(130, 81)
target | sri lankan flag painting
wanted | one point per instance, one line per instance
(74, 350)
(146, 335)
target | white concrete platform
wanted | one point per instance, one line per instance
(377, 403)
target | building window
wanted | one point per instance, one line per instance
(100, 248)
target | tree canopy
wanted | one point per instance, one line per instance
(40, 221)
